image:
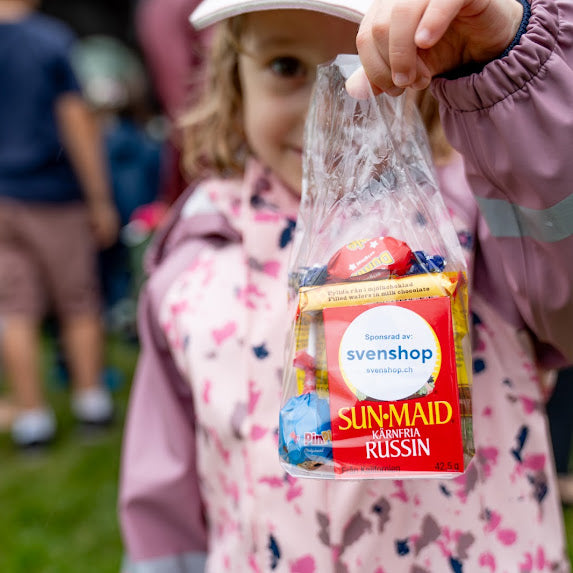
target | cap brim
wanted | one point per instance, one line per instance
(212, 11)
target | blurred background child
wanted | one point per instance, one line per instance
(56, 209)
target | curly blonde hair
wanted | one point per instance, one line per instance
(213, 136)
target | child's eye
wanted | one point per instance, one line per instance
(287, 67)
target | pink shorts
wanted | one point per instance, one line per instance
(47, 260)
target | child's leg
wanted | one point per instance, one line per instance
(83, 337)
(69, 263)
(20, 359)
(22, 306)
(8, 414)
(33, 421)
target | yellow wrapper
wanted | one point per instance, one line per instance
(386, 290)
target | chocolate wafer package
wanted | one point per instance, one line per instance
(377, 377)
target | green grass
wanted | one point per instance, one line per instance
(58, 509)
(568, 514)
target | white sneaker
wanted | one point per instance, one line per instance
(93, 406)
(34, 428)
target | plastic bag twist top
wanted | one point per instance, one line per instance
(368, 170)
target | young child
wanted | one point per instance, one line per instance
(201, 477)
(55, 203)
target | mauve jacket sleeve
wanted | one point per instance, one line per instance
(159, 506)
(513, 123)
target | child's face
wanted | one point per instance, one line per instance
(277, 68)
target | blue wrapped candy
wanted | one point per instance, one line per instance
(313, 276)
(305, 437)
(423, 263)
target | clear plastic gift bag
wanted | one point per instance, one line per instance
(377, 377)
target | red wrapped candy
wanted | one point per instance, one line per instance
(370, 259)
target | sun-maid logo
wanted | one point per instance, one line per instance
(389, 353)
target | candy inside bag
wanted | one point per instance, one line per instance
(377, 379)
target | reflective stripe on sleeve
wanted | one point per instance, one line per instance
(546, 225)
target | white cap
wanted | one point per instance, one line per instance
(211, 11)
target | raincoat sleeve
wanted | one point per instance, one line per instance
(160, 507)
(513, 124)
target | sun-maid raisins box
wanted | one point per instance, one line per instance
(393, 387)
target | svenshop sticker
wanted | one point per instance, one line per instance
(389, 353)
